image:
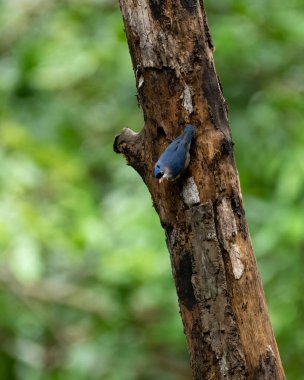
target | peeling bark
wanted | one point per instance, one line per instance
(220, 295)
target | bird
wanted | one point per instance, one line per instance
(176, 157)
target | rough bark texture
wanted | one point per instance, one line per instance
(221, 299)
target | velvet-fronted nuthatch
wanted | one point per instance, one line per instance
(176, 156)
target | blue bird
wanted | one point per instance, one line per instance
(176, 156)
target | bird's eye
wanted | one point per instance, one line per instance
(159, 174)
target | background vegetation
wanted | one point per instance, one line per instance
(85, 280)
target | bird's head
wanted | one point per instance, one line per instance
(161, 173)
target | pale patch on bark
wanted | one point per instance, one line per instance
(140, 81)
(235, 258)
(223, 366)
(228, 230)
(270, 350)
(190, 193)
(187, 99)
(227, 222)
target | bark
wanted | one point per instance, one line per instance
(222, 304)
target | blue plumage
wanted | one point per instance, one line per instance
(176, 157)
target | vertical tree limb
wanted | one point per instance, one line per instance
(220, 295)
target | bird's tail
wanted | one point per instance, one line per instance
(188, 133)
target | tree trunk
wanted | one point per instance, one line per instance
(222, 304)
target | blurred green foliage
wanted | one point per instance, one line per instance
(86, 290)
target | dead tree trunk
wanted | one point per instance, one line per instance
(220, 295)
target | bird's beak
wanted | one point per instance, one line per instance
(161, 180)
